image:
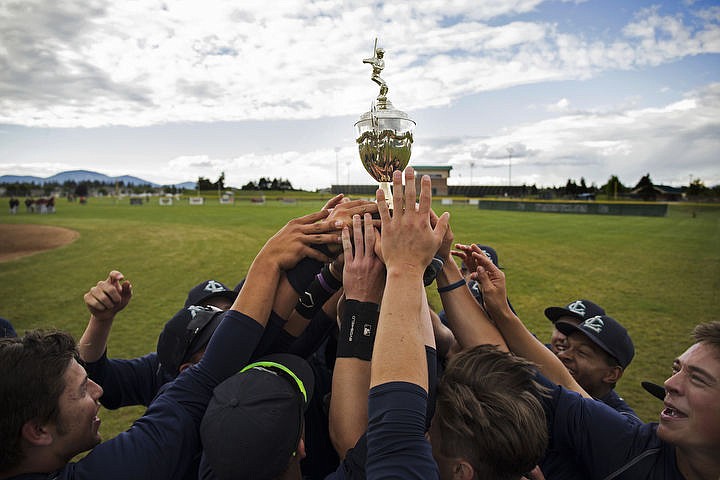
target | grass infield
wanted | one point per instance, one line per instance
(658, 276)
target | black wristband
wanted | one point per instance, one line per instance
(432, 270)
(357, 330)
(304, 272)
(330, 281)
(318, 292)
(452, 286)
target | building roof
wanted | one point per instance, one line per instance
(432, 167)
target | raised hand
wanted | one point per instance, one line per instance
(446, 245)
(109, 296)
(464, 253)
(335, 201)
(344, 211)
(492, 281)
(408, 239)
(363, 272)
(293, 242)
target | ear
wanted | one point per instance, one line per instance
(36, 434)
(463, 470)
(613, 374)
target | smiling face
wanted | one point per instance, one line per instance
(589, 365)
(691, 417)
(558, 340)
(77, 426)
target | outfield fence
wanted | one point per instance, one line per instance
(653, 210)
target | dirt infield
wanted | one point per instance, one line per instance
(22, 240)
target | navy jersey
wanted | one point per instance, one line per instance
(394, 445)
(592, 441)
(165, 442)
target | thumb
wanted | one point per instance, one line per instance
(115, 277)
(126, 289)
(483, 277)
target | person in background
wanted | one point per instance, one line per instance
(6, 329)
(575, 312)
(137, 381)
(599, 442)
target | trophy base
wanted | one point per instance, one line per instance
(387, 190)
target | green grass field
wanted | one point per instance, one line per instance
(657, 276)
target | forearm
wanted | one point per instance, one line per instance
(399, 353)
(523, 343)
(260, 285)
(93, 342)
(468, 321)
(285, 298)
(348, 403)
(444, 337)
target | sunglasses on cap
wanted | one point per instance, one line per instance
(287, 374)
(193, 330)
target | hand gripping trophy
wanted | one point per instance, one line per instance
(384, 134)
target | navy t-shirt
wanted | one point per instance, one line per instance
(590, 440)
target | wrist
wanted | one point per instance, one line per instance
(406, 271)
(335, 271)
(452, 286)
(450, 273)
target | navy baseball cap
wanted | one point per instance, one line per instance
(208, 289)
(255, 419)
(185, 334)
(6, 329)
(581, 309)
(606, 333)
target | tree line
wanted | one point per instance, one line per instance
(613, 188)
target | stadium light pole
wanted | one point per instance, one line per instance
(337, 166)
(510, 152)
(472, 164)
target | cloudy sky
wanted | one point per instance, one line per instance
(176, 89)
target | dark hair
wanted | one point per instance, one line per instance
(489, 413)
(32, 369)
(708, 333)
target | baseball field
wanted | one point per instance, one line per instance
(659, 276)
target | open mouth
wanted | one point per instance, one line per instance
(671, 412)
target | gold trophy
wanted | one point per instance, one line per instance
(384, 134)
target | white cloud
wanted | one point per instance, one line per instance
(98, 63)
(560, 106)
(595, 146)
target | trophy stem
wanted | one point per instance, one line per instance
(385, 187)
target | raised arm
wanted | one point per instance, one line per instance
(280, 253)
(104, 301)
(467, 319)
(363, 281)
(408, 244)
(398, 399)
(518, 337)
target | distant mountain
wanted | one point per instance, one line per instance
(21, 179)
(86, 176)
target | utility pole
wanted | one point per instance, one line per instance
(510, 152)
(337, 166)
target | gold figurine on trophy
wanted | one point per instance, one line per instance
(384, 134)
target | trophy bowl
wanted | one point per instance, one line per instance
(384, 138)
